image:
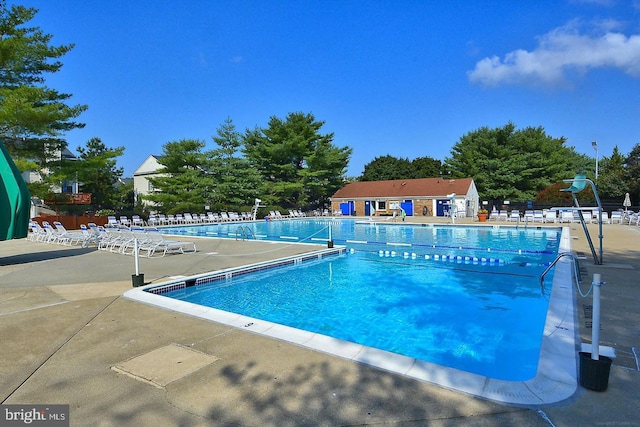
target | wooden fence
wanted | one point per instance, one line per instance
(72, 222)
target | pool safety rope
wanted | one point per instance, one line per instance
(459, 259)
(451, 258)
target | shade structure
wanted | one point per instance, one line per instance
(627, 201)
(15, 200)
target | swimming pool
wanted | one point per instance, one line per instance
(449, 296)
(375, 236)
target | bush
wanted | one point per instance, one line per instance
(105, 212)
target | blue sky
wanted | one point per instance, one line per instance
(404, 78)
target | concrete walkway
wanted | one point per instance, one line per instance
(68, 336)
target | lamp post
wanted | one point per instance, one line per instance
(595, 147)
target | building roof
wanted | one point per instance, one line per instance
(150, 166)
(405, 188)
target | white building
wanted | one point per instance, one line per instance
(141, 184)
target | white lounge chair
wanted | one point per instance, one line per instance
(538, 216)
(67, 237)
(616, 217)
(136, 221)
(37, 233)
(528, 216)
(91, 235)
(566, 216)
(157, 243)
(551, 216)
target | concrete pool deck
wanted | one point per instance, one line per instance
(70, 337)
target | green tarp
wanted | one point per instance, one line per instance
(15, 200)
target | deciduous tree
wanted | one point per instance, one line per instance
(510, 164)
(387, 167)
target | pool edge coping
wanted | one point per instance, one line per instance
(555, 381)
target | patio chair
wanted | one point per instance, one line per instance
(514, 216)
(91, 235)
(51, 234)
(67, 237)
(616, 217)
(156, 243)
(122, 237)
(136, 221)
(566, 216)
(153, 220)
(38, 233)
(576, 216)
(551, 216)
(528, 216)
(538, 216)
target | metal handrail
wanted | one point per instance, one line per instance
(598, 260)
(244, 233)
(576, 268)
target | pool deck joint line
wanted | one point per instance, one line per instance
(164, 365)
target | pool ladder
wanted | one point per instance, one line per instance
(244, 233)
(576, 268)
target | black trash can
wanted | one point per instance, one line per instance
(594, 374)
(137, 279)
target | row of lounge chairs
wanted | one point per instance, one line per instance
(208, 218)
(292, 214)
(118, 239)
(57, 233)
(148, 241)
(562, 216)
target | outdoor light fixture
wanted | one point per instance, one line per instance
(595, 147)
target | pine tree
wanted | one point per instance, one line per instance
(33, 117)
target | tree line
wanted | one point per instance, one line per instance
(289, 163)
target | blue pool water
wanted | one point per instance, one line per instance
(463, 297)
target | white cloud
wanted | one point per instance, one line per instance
(560, 51)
